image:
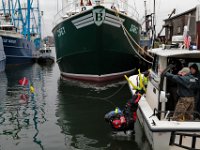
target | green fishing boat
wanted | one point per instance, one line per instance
(96, 40)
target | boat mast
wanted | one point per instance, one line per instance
(154, 27)
(39, 19)
(64, 3)
(28, 19)
(145, 13)
(9, 8)
(4, 8)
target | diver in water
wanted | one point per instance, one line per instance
(124, 120)
(130, 111)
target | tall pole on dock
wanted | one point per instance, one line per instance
(28, 18)
(57, 5)
(154, 27)
(145, 15)
(4, 7)
(39, 19)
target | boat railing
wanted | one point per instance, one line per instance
(74, 7)
(168, 115)
(128, 9)
(10, 33)
(193, 136)
(69, 10)
(123, 7)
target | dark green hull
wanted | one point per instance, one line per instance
(98, 49)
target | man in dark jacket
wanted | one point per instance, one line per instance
(186, 84)
(194, 70)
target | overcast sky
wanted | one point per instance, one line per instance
(163, 8)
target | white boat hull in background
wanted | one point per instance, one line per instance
(2, 56)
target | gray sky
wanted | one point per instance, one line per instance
(163, 8)
(50, 9)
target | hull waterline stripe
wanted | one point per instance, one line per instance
(114, 17)
(86, 24)
(19, 56)
(82, 18)
(97, 76)
(112, 20)
(14, 47)
(112, 24)
(84, 21)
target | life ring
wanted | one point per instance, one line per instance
(83, 8)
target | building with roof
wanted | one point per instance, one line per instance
(174, 26)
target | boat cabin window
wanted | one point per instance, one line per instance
(171, 87)
(48, 51)
(42, 51)
(7, 28)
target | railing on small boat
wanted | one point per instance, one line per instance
(10, 33)
(169, 113)
(193, 143)
(75, 7)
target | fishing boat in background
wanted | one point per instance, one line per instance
(97, 40)
(17, 48)
(20, 30)
(2, 56)
(45, 55)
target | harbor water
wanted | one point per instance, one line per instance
(61, 114)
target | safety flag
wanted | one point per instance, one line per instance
(23, 81)
(131, 83)
(32, 90)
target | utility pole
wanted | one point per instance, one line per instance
(154, 27)
(145, 13)
(57, 5)
(28, 18)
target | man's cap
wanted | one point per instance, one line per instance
(185, 70)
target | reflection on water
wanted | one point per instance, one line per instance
(19, 120)
(81, 110)
(61, 114)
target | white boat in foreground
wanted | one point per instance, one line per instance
(155, 110)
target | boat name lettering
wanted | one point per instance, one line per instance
(134, 29)
(99, 15)
(61, 31)
(9, 41)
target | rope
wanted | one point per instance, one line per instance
(136, 42)
(137, 52)
(106, 99)
(126, 33)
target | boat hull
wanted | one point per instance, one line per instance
(157, 140)
(2, 65)
(85, 47)
(2, 56)
(45, 60)
(18, 50)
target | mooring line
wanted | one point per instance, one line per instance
(106, 99)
